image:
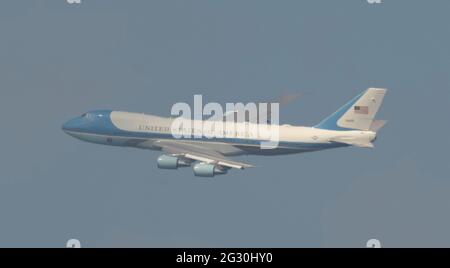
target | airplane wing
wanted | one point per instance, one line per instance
(282, 101)
(352, 142)
(198, 153)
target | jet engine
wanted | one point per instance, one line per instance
(171, 162)
(208, 170)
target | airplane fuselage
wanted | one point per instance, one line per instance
(117, 128)
(207, 145)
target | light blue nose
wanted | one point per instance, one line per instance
(73, 125)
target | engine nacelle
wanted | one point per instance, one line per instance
(170, 162)
(207, 170)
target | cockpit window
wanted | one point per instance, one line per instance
(84, 115)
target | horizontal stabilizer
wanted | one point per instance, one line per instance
(377, 125)
(351, 142)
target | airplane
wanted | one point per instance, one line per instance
(351, 125)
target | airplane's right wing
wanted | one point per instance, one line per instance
(282, 101)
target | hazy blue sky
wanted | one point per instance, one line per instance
(59, 60)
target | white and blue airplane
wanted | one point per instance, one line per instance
(352, 125)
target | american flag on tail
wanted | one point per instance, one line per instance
(361, 109)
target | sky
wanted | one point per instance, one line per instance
(59, 60)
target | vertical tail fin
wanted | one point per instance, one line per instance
(359, 113)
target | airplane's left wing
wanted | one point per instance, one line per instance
(198, 153)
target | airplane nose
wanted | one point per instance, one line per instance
(66, 126)
(71, 125)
